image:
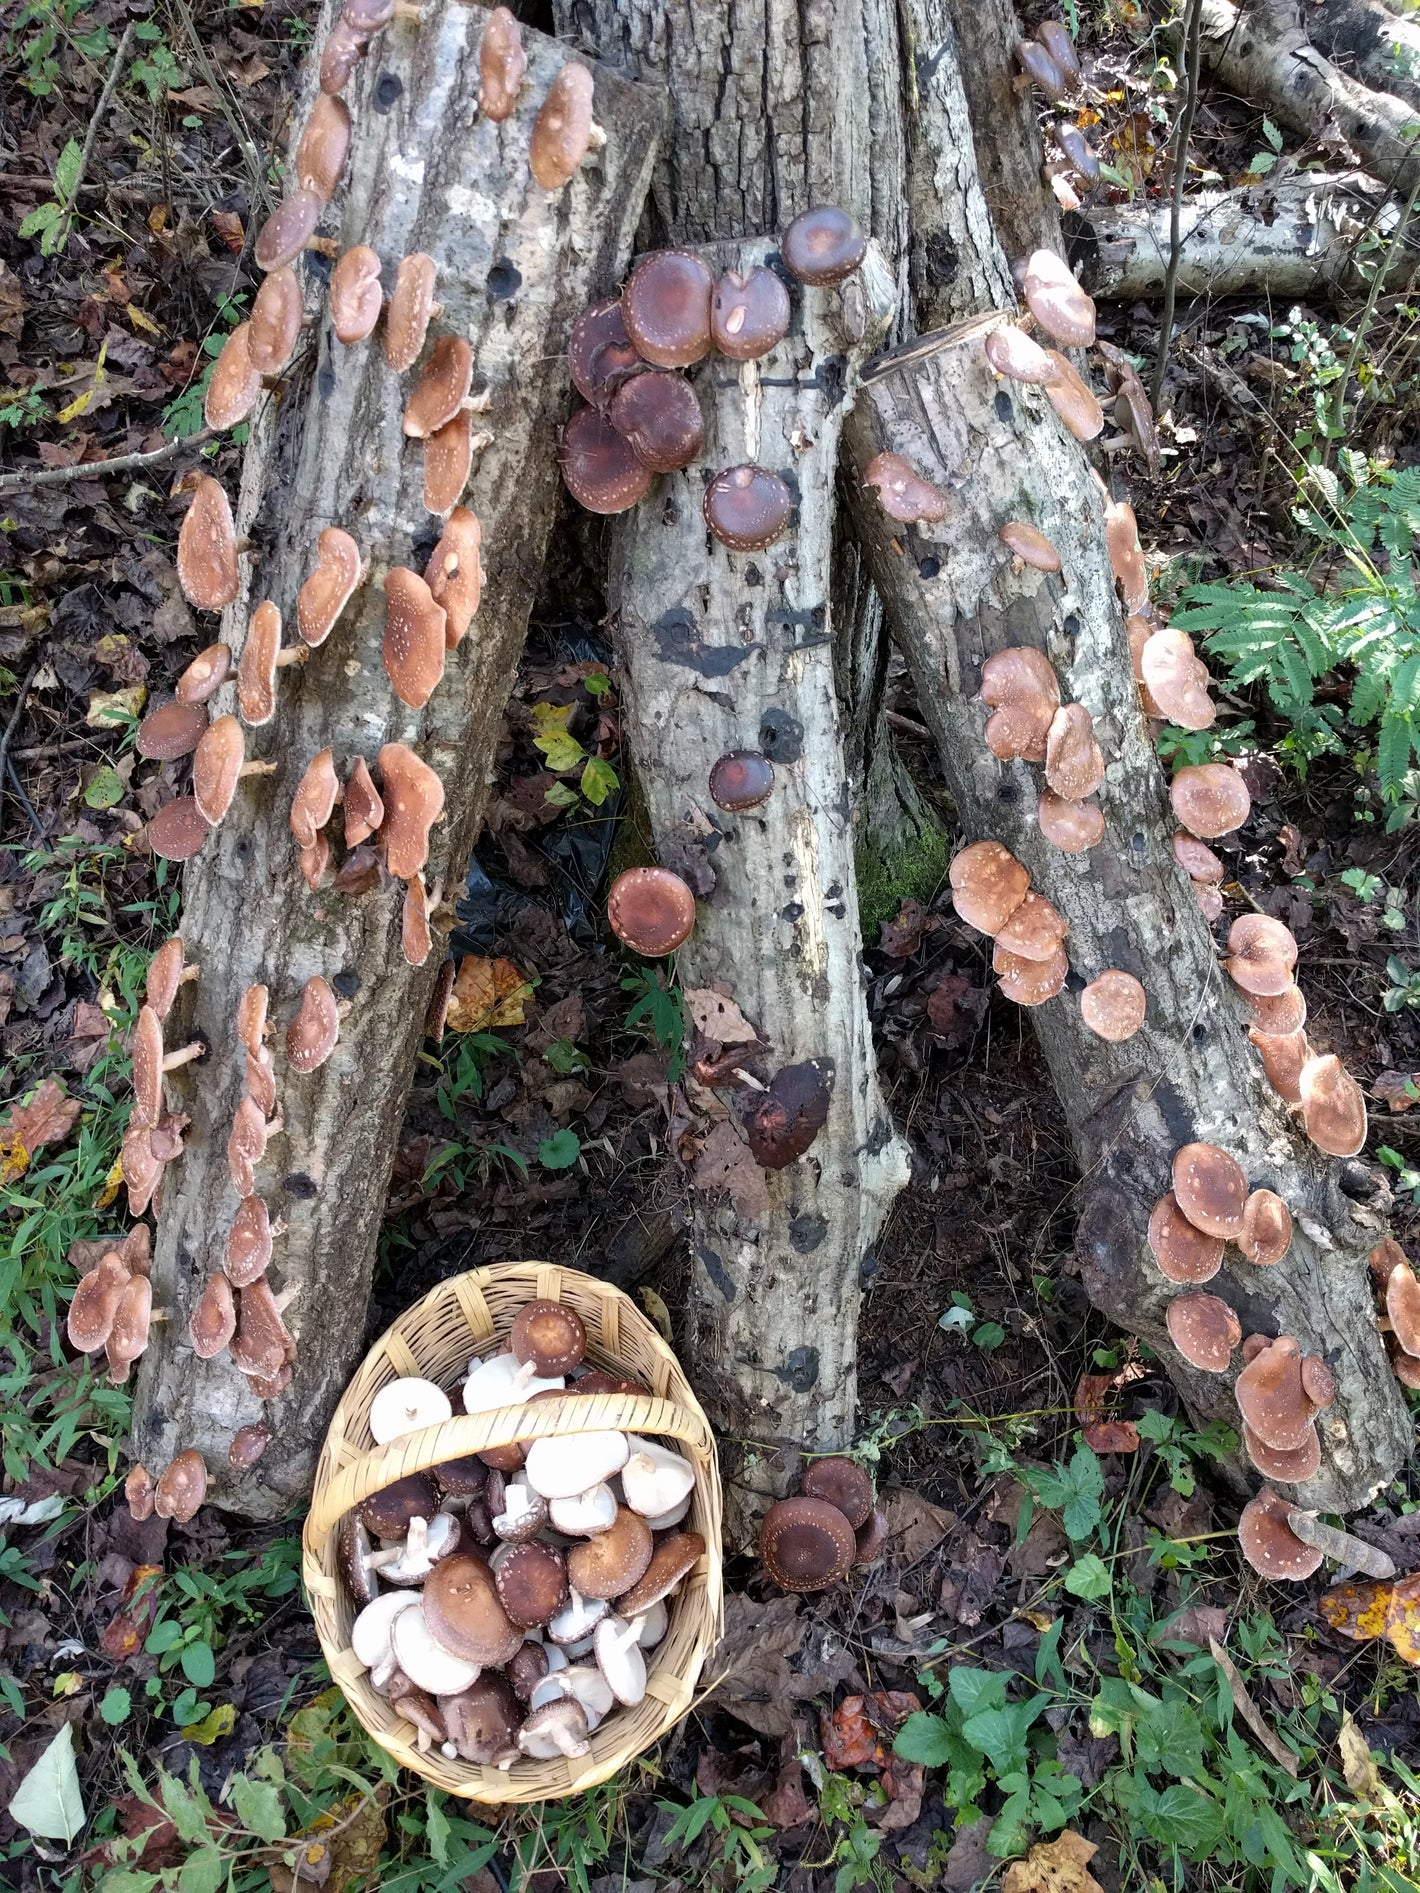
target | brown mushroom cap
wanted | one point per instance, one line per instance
(1333, 1106)
(822, 246)
(128, 1337)
(363, 809)
(1041, 69)
(651, 910)
(454, 574)
(502, 67)
(1268, 1542)
(1210, 1188)
(659, 417)
(1126, 558)
(665, 306)
(1054, 36)
(139, 1489)
(248, 1444)
(1266, 1233)
(1020, 685)
(441, 389)
(1177, 679)
(251, 1018)
(1029, 544)
(844, 1484)
(550, 1335)
(1262, 954)
(532, 1583)
(248, 1248)
(1113, 1005)
(288, 229)
(1074, 767)
(741, 780)
(1273, 1462)
(414, 645)
(262, 1345)
(414, 801)
(616, 1559)
(182, 1488)
(1204, 1329)
(1073, 827)
(316, 795)
(1210, 799)
(164, 976)
(905, 494)
(388, 1512)
(673, 1559)
(599, 469)
(246, 1144)
(174, 730)
(806, 1544)
(177, 831)
(1033, 930)
(747, 508)
(600, 354)
(1013, 353)
(463, 1610)
(988, 885)
(207, 548)
(410, 307)
(356, 296)
(345, 46)
(483, 1720)
(791, 1113)
(448, 458)
(312, 1034)
(749, 313)
(1072, 398)
(256, 669)
(1283, 1056)
(217, 766)
(1318, 1381)
(1029, 982)
(205, 675)
(330, 586)
(324, 146)
(147, 1056)
(1279, 1015)
(1197, 859)
(1271, 1397)
(1183, 1252)
(562, 130)
(276, 315)
(1402, 1306)
(1405, 1368)
(1057, 301)
(95, 1302)
(235, 385)
(1382, 1258)
(214, 1319)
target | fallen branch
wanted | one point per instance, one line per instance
(101, 469)
(1378, 47)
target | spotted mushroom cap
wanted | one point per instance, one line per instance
(256, 669)
(1072, 398)
(324, 146)
(747, 508)
(207, 548)
(1272, 1398)
(749, 313)
(1184, 1253)
(806, 1544)
(1268, 1542)
(414, 645)
(316, 795)
(1286, 1012)
(345, 46)
(1177, 679)
(174, 729)
(182, 1487)
(674, 1558)
(276, 315)
(1196, 858)
(1204, 1329)
(205, 675)
(177, 831)
(164, 976)
(1029, 982)
(651, 910)
(1126, 558)
(1402, 1306)
(658, 415)
(235, 385)
(414, 801)
(1210, 799)
(502, 65)
(214, 1319)
(1333, 1106)
(1020, 685)
(463, 1610)
(904, 493)
(216, 768)
(741, 780)
(441, 389)
(1266, 1233)
(249, 1242)
(94, 1304)
(598, 467)
(1210, 1187)
(312, 1034)
(411, 305)
(822, 246)
(600, 354)
(363, 809)
(562, 130)
(1073, 827)
(1261, 955)
(988, 885)
(1018, 356)
(1074, 767)
(1029, 544)
(1033, 930)
(1113, 1005)
(356, 295)
(332, 584)
(448, 459)
(550, 1335)
(1285, 1465)
(843, 1483)
(454, 573)
(139, 1489)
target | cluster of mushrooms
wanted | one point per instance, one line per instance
(1400, 1289)
(814, 1539)
(506, 1601)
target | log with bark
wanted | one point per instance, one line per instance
(1369, 42)
(954, 595)
(515, 266)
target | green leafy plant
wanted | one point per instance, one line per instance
(560, 1151)
(42, 29)
(738, 1830)
(959, 1318)
(156, 70)
(657, 1011)
(1403, 992)
(565, 756)
(23, 408)
(51, 221)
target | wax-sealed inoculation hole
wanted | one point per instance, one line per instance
(388, 88)
(504, 280)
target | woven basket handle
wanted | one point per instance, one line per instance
(345, 1477)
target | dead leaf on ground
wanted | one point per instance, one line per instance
(1102, 1435)
(860, 1731)
(902, 935)
(916, 1525)
(1362, 1776)
(487, 993)
(46, 1117)
(1198, 1624)
(1389, 1609)
(1397, 1089)
(718, 1017)
(725, 1164)
(123, 1634)
(1247, 1708)
(751, 1661)
(1054, 1866)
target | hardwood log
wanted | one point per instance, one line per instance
(1369, 42)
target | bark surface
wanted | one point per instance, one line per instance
(952, 599)
(1002, 118)
(515, 267)
(1374, 45)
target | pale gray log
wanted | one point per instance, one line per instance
(1002, 117)
(999, 453)
(515, 266)
(1379, 47)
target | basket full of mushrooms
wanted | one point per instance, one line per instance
(513, 1547)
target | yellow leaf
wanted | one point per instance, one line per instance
(486, 993)
(658, 1312)
(1362, 1776)
(213, 1727)
(108, 707)
(113, 1182)
(1056, 1866)
(14, 1158)
(548, 717)
(68, 1684)
(76, 407)
(1038, 1620)
(137, 317)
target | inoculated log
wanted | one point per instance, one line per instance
(1379, 47)
(515, 265)
(1002, 117)
(954, 595)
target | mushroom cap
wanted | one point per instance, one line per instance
(261, 1080)
(217, 767)
(1204, 1329)
(1210, 799)
(658, 415)
(139, 1488)
(1076, 148)
(370, 1633)
(1266, 1233)
(806, 1544)
(532, 1583)
(872, 1537)
(1318, 1381)
(251, 1018)
(463, 1610)
(248, 1250)
(388, 1512)
(315, 798)
(164, 976)
(1268, 1542)
(651, 910)
(904, 493)
(1183, 1252)
(1405, 1368)
(1033, 930)
(454, 574)
(441, 389)
(448, 458)
(1074, 767)
(1029, 982)
(1177, 679)
(550, 1335)
(1210, 1188)
(235, 385)
(1074, 827)
(410, 307)
(562, 130)
(555, 1728)
(288, 229)
(171, 731)
(424, 1656)
(749, 313)
(482, 1721)
(463, 1478)
(1402, 1305)
(673, 1559)
(1333, 1106)
(362, 806)
(312, 1034)
(1113, 1005)
(791, 1113)
(246, 1144)
(1262, 953)
(405, 1406)
(747, 508)
(205, 675)
(666, 308)
(95, 1303)
(1054, 36)
(1276, 1016)
(277, 312)
(620, 1659)
(1197, 859)
(256, 669)
(1018, 356)
(1029, 544)
(1272, 1398)
(128, 1336)
(741, 780)
(988, 885)
(822, 246)
(262, 1345)
(345, 46)
(1382, 1258)
(177, 831)
(655, 1480)
(844, 1484)
(182, 1487)
(561, 1468)
(324, 146)
(1021, 686)
(1057, 301)
(214, 1319)
(1072, 398)
(1283, 1056)
(1288, 1466)
(502, 67)
(1041, 69)
(414, 645)
(1209, 900)
(600, 354)
(330, 587)
(588, 1512)
(207, 548)
(599, 469)
(414, 801)
(356, 295)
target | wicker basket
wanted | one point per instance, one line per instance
(435, 1339)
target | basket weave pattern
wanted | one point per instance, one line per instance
(471, 1314)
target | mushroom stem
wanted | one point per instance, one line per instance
(293, 654)
(257, 769)
(186, 1054)
(596, 137)
(187, 973)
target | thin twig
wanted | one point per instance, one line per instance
(19, 710)
(115, 73)
(1192, 32)
(99, 469)
(1358, 335)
